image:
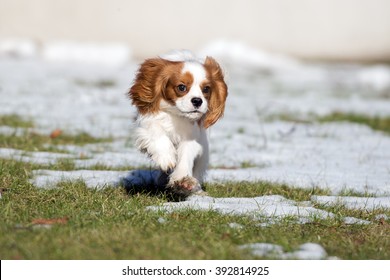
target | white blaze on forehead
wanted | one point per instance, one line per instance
(197, 70)
(185, 103)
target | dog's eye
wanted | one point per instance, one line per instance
(182, 88)
(206, 89)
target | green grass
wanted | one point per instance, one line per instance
(111, 224)
(102, 84)
(374, 122)
(247, 164)
(31, 141)
(252, 189)
(68, 164)
(15, 121)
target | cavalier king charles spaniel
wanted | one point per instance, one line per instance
(178, 96)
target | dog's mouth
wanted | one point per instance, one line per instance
(193, 115)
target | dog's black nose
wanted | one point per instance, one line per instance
(197, 102)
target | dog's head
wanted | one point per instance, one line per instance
(182, 85)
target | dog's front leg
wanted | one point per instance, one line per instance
(158, 146)
(182, 176)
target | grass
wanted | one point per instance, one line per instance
(102, 84)
(375, 122)
(247, 164)
(251, 189)
(15, 121)
(31, 141)
(83, 223)
(68, 164)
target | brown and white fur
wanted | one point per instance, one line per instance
(178, 97)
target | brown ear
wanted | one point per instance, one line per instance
(149, 85)
(219, 92)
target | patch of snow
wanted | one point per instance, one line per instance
(71, 98)
(93, 179)
(351, 202)
(237, 52)
(355, 221)
(97, 178)
(264, 249)
(382, 216)
(8, 130)
(307, 251)
(272, 206)
(113, 160)
(33, 157)
(330, 156)
(109, 54)
(236, 226)
(377, 77)
(83, 157)
(41, 226)
(18, 47)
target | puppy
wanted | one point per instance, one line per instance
(178, 97)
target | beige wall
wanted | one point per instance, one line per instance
(325, 29)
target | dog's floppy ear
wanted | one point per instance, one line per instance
(219, 92)
(149, 85)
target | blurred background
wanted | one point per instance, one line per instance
(331, 30)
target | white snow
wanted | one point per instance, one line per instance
(109, 54)
(376, 76)
(272, 206)
(238, 52)
(92, 179)
(33, 157)
(264, 249)
(355, 221)
(307, 251)
(104, 54)
(18, 47)
(382, 216)
(235, 226)
(96, 178)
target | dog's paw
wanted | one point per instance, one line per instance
(181, 189)
(187, 183)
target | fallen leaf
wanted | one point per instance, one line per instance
(382, 221)
(225, 236)
(50, 221)
(55, 133)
